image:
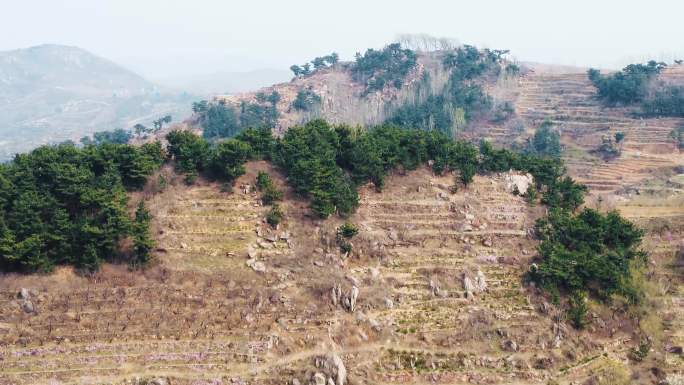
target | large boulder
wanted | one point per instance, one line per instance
(24, 294)
(318, 379)
(353, 295)
(480, 281)
(257, 266)
(332, 365)
(518, 182)
(468, 286)
(28, 307)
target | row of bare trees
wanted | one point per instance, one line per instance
(426, 43)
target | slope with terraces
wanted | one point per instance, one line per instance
(233, 301)
(568, 100)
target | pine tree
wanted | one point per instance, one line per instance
(142, 241)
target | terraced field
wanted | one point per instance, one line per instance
(568, 101)
(438, 277)
(433, 291)
(640, 183)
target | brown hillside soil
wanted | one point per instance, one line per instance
(201, 315)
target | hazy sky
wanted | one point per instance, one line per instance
(162, 38)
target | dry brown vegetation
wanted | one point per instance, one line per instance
(230, 300)
(202, 315)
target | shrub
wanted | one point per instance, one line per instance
(218, 121)
(318, 63)
(227, 187)
(531, 194)
(259, 114)
(641, 352)
(625, 87)
(512, 69)
(225, 160)
(577, 311)
(678, 136)
(503, 112)
(117, 136)
(667, 101)
(274, 216)
(386, 67)
(546, 141)
(306, 100)
(190, 178)
(565, 194)
(346, 247)
(221, 161)
(589, 251)
(307, 154)
(270, 193)
(142, 240)
(263, 180)
(347, 230)
(261, 141)
(608, 148)
(161, 182)
(188, 150)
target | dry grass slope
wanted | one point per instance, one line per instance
(202, 315)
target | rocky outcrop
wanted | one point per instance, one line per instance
(332, 367)
(517, 183)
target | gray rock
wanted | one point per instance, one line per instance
(157, 381)
(375, 273)
(28, 307)
(468, 286)
(272, 238)
(389, 303)
(434, 288)
(319, 379)
(353, 295)
(336, 294)
(24, 294)
(375, 325)
(330, 381)
(295, 382)
(332, 365)
(257, 266)
(480, 282)
(393, 235)
(487, 242)
(352, 279)
(510, 346)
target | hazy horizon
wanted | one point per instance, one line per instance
(167, 39)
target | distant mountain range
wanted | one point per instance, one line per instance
(52, 93)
